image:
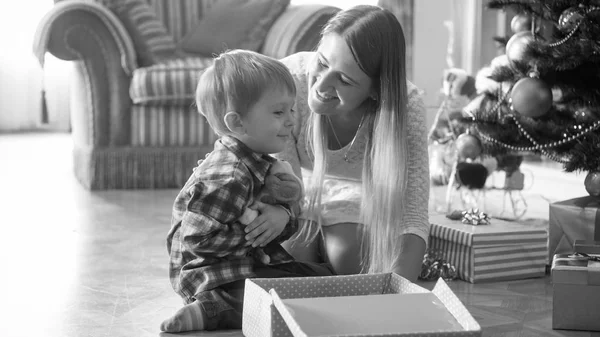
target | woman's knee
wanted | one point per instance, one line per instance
(306, 252)
(343, 247)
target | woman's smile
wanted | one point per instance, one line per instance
(325, 98)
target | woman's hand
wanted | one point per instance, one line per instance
(267, 226)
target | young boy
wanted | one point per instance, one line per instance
(247, 99)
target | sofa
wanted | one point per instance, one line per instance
(133, 120)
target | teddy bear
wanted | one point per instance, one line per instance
(281, 186)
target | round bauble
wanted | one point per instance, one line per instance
(569, 19)
(592, 183)
(531, 97)
(517, 48)
(468, 146)
(522, 22)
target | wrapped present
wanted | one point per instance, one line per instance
(497, 251)
(575, 293)
(354, 305)
(587, 247)
(570, 220)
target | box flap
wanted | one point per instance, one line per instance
(497, 233)
(575, 270)
(455, 306)
(372, 315)
(325, 286)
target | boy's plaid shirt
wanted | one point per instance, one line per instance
(206, 241)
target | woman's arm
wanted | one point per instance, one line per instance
(412, 250)
(416, 219)
(297, 64)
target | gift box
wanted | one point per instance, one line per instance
(570, 220)
(586, 247)
(575, 293)
(497, 251)
(355, 305)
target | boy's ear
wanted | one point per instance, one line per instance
(234, 123)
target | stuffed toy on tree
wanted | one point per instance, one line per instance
(543, 95)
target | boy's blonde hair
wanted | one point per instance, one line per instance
(235, 82)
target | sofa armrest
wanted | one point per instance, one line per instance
(90, 34)
(297, 29)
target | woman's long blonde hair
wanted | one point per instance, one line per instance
(376, 40)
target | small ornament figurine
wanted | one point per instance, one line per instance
(517, 48)
(531, 97)
(592, 183)
(468, 146)
(569, 19)
(514, 181)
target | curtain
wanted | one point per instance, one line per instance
(474, 27)
(21, 76)
(403, 10)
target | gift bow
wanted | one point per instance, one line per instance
(434, 267)
(586, 256)
(474, 217)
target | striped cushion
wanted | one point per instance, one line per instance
(150, 37)
(297, 29)
(216, 33)
(169, 126)
(180, 16)
(172, 82)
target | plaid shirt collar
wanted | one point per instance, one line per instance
(258, 164)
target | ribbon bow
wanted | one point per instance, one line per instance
(586, 256)
(474, 217)
(434, 267)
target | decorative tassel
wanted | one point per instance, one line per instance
(44, 107)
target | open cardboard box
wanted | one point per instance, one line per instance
(355, 305)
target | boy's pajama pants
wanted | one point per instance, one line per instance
(223, 305)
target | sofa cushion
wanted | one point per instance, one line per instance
(298, 29)
(233, 24)
(171, 82)
(150, 37)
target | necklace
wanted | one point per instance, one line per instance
(362, 119)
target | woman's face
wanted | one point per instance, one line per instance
(337, 85)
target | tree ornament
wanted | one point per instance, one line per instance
(570, 18)
(517, 48)
(468, 146)
(522, 22)
(592, 183)
(557, 95)
(531, 97)
(583, 115)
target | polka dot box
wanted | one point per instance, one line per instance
(282, 307)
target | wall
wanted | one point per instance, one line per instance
(473, 47)
(430, 48)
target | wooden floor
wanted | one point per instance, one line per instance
(76, 263)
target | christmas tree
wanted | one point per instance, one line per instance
(545, 91)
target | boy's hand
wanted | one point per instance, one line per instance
(267, 226)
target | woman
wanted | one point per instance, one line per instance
(360, 145)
